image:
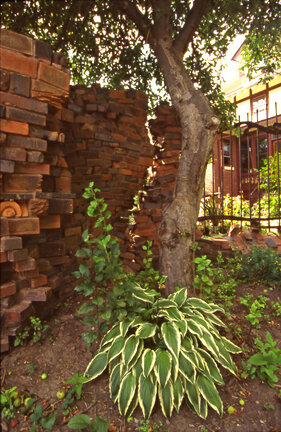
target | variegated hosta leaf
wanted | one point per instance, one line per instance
(212, 366)
(203, 408)
(115, 379)
(172, 337)
(124, 327)
(187, 368)
(187, 343)
(96, 366)
(224, 358)
(214, 319)
(182, 325)
(175, 368)
(126, 392)
(137, 321)
(198, 303)
(178, 393)
(194, 328)
(111, 334)
(105, 347)
(208, 390)
(172, 313)
(137, 355)
(179, 297)
(166, 397)
(148, 361)
(133, 405)
(164, 303)
(193, 396)
(230, 346)
(163, 366)
(116, 348)
(140, 294)
(208, 341)
(146, 330)
(130, 348)
(147, 395)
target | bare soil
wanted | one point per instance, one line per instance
(63, 352)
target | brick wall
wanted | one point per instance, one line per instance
(54, 140)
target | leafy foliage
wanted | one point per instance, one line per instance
(265, 362)
(99, 38)
(171, 349)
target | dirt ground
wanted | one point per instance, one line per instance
(63, 352)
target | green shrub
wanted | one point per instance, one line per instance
(171, 349)
(260, 264)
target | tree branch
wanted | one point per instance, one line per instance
(133, 13)
(162, 17)
(191, 24)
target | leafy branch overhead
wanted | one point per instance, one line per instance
(101, 35)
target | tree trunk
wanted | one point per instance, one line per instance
(199, 128)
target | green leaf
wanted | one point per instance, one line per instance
(116, 347)
(115, 380)
(124, 326)
(79, 421)
(178, 393)
(214, 319)
(147, 395)
(148, 361)
(172, 337)
(48, 423)
(126, 392)
(187, 367)
(193, 396)
(194, 328)
(197, 303)
(96, 366)
(133, 405)
(100, 425)
(141, 295)
(130, 348)
(84, 270)
(182, 325)
(166, 397)
(210, 393)
(230, 346)
(163, 366)
(86, 308)
(180, 296)
(172, 313)
(146, 330)
(212, 366)
(111, 334)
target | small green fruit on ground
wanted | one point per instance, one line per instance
(28, 402)
(60, 394)
(44, 376)
(242, 402)
(17, 402)
(231, 410)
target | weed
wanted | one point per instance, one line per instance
(7, 398)
(36, 330)
(82, 421)
(269, 407)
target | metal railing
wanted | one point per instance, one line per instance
(243, 178)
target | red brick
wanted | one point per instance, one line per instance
(7, 166)
(18, 114)
(15, 127)
(63, 184)
(24, 226)
(20, 84)
(3, 257)
(36, 294)
(17, 42)
(18, 63)
(22, 102)
(25, 265)
(72, 231)
(50, 249)
(4, 343)
(53, 76)
(17, 255)
(39, 281)
(10, 243)
(43, 90)
(32, 168)
(13, 154)
(28, 274)
(22, 182)
(4, 80)
(18, 312)
(4, 226)
(60, 206)
(50, 222)
(35, 156)
(8, 289)
(29, 143)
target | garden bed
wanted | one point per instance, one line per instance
(257, 407)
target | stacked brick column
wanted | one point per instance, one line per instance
(32, 80)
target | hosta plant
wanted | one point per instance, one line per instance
(172, 350)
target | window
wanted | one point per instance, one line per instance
(259, 108)
(226, 153)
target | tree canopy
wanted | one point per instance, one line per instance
(104, 45)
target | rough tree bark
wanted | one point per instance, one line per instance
(199, 128)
